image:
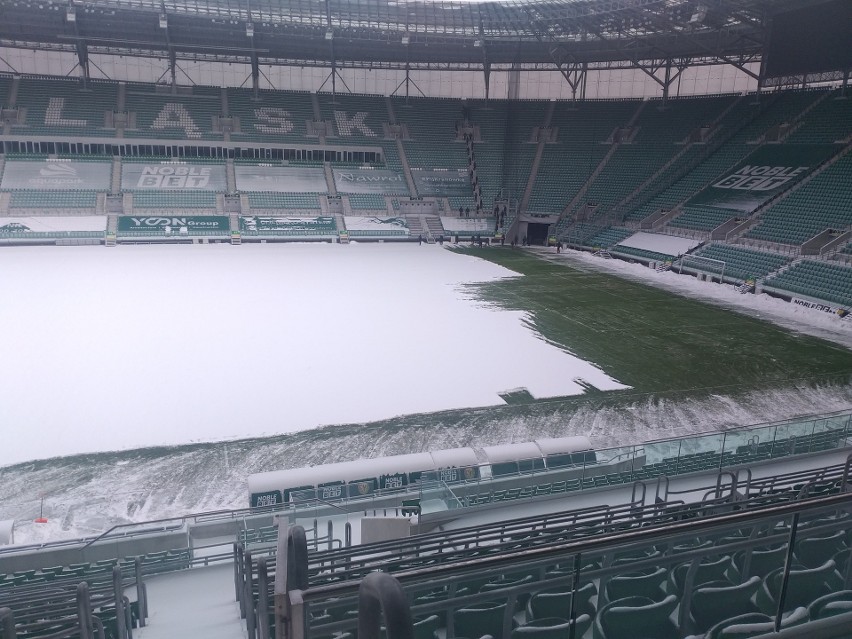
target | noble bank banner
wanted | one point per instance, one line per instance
(378, 181)
(56, 175)
(762, 175)
(173, 176)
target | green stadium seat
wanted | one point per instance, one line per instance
(812, 552)
(803, 586)
(552, 628)
(645, 583)
(753, 624)
(557, 603)
(836, 603)
(637, 618)
(480, 619)
(716, 601)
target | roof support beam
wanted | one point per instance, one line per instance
(83, 61)
(255, 75)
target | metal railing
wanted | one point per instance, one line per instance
(569, 565)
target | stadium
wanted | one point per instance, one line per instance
(425, 319)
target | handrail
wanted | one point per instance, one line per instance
(381, 593)
(594, 544)
(554, 519)
(181, 519)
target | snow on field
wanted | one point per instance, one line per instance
(791, 316)
(160, 345)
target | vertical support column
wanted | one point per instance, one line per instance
(486, 72)
(173, 67)
(255, 75)
(83, 62)
(764, 56)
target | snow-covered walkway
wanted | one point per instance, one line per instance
(193, 604)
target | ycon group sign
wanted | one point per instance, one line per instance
(190, 223)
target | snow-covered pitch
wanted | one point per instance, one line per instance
(158, 345)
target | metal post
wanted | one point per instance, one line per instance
(788, 565)
(248, 596)
(84, 611)
(238, 564)
(572, 612)
(118, 593)
(330, 535)
(677, 463)
(141, 592)
(316, 534)
(263, 628)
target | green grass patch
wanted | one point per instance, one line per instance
(654, 340)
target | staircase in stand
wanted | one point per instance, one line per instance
(416, 226)
(236, 236)
(539, 152)
(342, 233)
(434, 228)
(112, 226)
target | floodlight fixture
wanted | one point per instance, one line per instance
(164, 21)
(71, 14)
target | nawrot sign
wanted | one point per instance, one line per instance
(192, 224)
(379, 181)
(763, 175)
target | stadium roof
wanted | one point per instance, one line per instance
(393, 33)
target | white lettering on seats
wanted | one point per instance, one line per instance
(53, 115)
(346, 125)
(174, 115)
(275, 120)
